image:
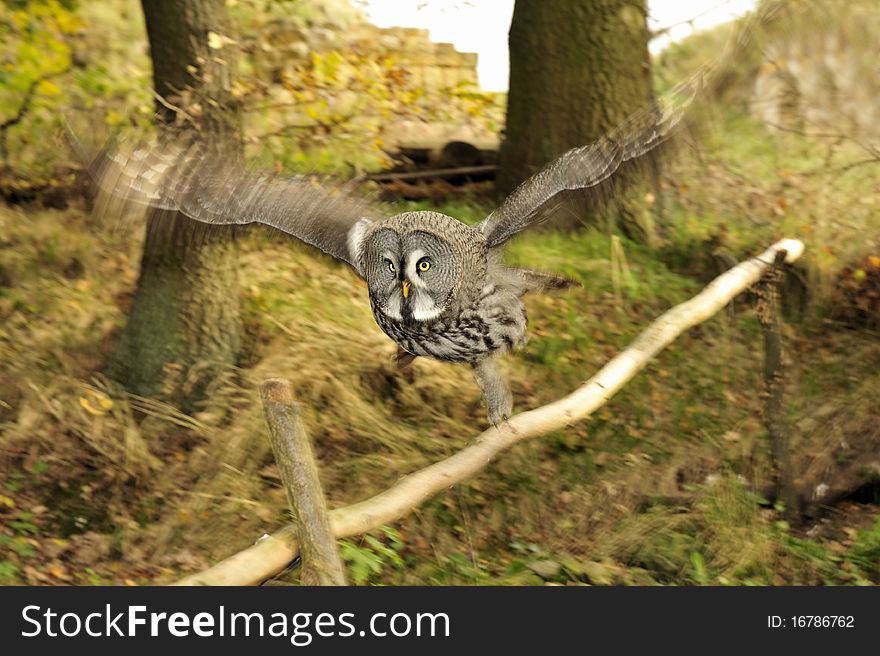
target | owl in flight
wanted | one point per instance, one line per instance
(437, 287)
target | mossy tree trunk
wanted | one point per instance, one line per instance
(578, 68)
(184, 323)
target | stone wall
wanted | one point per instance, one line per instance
(432, 65)
(435, 66)
(281, 47)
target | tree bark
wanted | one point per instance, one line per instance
(770, 317)
(321, 564)
(184, 322)
(578, 68)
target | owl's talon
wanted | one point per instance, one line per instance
(496, 393)
(499, 419)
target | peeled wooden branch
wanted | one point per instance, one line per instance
(272, 555)
(295, 456)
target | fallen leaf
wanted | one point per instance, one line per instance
(58, 571)
(215, 41)
(88, 407)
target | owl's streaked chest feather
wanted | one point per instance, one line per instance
(494, 321)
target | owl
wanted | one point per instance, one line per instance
(437, 287)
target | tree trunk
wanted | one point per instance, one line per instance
(578, 68)
(184, 323)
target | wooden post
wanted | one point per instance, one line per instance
(295, 456)
(769, 314)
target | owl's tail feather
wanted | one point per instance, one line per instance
(403, 359)
(537, 282)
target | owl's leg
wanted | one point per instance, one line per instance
(496, 392)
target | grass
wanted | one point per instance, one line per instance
(663, 485)
(649, 491)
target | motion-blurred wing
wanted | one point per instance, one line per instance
(184, 175)
(588, 166)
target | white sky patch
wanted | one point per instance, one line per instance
(481, 26)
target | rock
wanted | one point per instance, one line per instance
(597, 573)
(546, 569)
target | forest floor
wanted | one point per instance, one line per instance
(665, 484)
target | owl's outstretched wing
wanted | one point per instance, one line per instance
(185, 175)
(588, 166)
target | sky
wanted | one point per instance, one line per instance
(481, 25)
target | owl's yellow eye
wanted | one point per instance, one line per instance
(391, 266)
(424, 265)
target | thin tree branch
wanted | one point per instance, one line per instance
(24, 107)
(273, 554)
(172, 107)
(840, 136)
(432, 173)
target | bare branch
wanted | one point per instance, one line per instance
(272, 555)
(24, 107)
(171, 107)
(838, 136)
(480, 169)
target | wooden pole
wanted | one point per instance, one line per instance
(295, 456)
(769, 315)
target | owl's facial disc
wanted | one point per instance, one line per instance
(421, 300)
(411, 277)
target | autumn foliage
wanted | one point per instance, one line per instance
(856, 297)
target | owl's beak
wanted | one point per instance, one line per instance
(405, 288)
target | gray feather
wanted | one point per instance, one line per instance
(526, 281)
(589, 166)
(184, 175)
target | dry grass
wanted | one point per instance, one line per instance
(650, 490)
(165, 493)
